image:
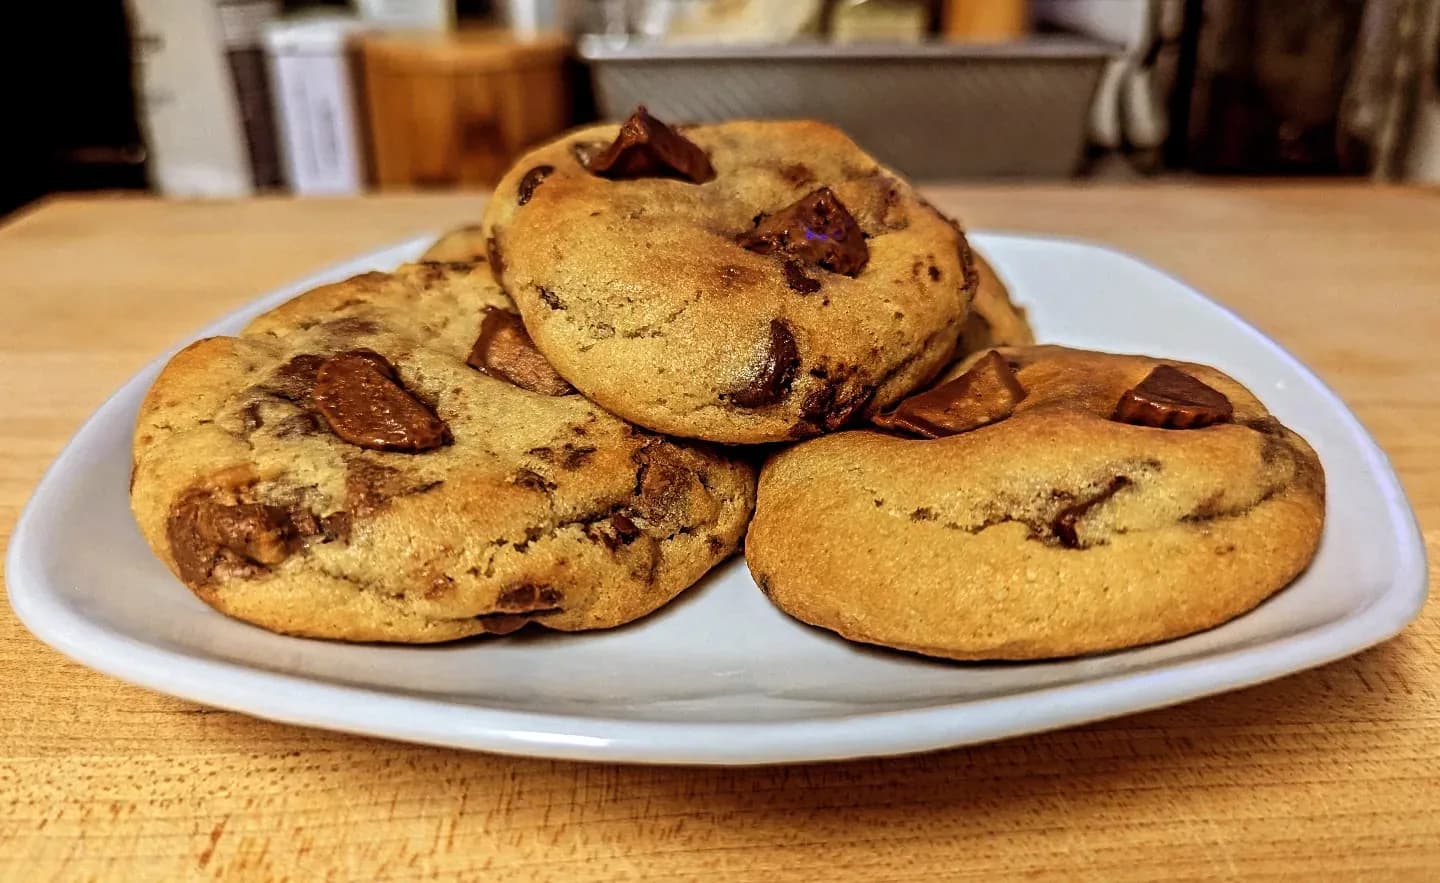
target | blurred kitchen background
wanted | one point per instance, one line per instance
(227, 98)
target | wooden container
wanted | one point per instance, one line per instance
(988, 20)
(456, 109)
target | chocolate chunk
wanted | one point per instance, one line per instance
(336, 526)
(816, 230)
(533, 178)
(505, 351)
(771, 374)
(260, 533)
(665, 487)
(985, 394)
(532, 480)
(304, 521)
(370, 485)
(834, 404)
(294, 381)
(549, 297)
(503, 623)
(361, 398)
(625, 530)
(797, 280)
(575, 456)
(1171, 399)
(528, 598)
(795, 173)
(615, 532)
(1064, 524)
(310, 526)
(205, 534)
(647, 148)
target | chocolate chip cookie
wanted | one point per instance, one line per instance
(1041, 502)
(740, 282)
(390, 459)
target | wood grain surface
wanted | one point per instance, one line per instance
(1328, 774)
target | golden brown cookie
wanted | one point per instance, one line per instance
(995, 319)
(740, 282)
(1041, 502)
(364, 464)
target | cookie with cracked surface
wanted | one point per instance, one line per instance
(1041, 502)
(363, 464)
(740, 282)
(995, 319)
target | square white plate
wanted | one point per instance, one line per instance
(720, 676)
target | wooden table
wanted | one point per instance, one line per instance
(1330, 773)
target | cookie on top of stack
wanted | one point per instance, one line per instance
(540, 423)
(743, 282)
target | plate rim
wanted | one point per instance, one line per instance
(308, 701)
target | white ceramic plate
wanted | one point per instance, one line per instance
(720, 676)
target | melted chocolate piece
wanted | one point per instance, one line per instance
(771, 375)
(1064, 523)
(1168, 398)
(795, 173)
(369, 486)
(834, 404)
(666, 488)
(985, 394)
(361, 398)
(816, 231)
(533, 178)
(503, 623)
(505, 351)
(294, 381)
(532, 480)
(336, 526)
(574, 456)
(246, 538)
(626, 531)
(647, 148)
(797, 280)
(528, 598)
